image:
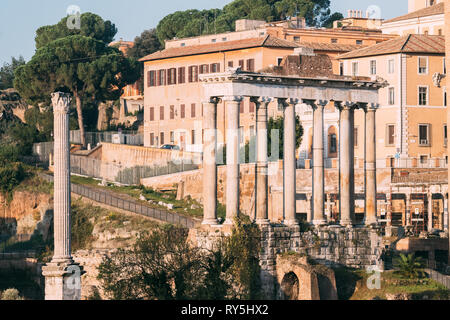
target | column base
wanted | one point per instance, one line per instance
(62, 280)
(291, 222)
(263, 221)
(346, 223)
(229, 222)
(319, 222)
(370, 222)
(210, 222)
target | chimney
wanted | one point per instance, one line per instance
(349, 13)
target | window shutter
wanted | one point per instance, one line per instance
(152, 114)
(183, 111)
(193, 110)
(148, 78)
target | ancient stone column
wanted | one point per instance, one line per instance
(389, 209)
(62, 275)
(446, 221)
(232, 104)
(370, 168)
(262, 215)
(430, 211)
(290, 165)
(209, 162)
(346, 162)
(309, 216)
(408, 209)
(329, 208)
(318, 163)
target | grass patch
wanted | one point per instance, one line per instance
(352, 285)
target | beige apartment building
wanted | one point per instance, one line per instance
(411, 122)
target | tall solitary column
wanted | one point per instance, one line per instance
(62, 275)
(446, 222)
(262, 215)
(232, 106)
(371, 169)
(289, 162)
(430, 211)
(209, 162)
(346, 162)
(318, 163)
(408, 209)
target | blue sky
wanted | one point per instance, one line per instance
(19, 19)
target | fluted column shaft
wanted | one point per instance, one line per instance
(318, 164)
(346, 163)
(430, 211)
(262, 177)
(62, 201)
(370, 158)
(289, 162)
(232, 199)
(209, 162)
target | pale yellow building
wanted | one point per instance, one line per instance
(411, 121)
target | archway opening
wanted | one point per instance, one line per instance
(290, 286)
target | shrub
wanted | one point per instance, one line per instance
(409, 266)
(11, 294)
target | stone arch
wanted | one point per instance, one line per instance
(326, 288)
(290, 286)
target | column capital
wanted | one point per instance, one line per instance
(261, 100)
(315, 103)
(233, 98)
(213, 100)
(285, 102)
(61, 102)
(345, 105)
(369, 107)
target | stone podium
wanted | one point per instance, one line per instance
(62, 275)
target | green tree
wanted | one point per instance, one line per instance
(278, 124)
(328, 23)
(145, 44)
(7, 72)
(91, 25)
(85, 67)
(409, 266)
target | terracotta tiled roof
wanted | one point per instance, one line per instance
(336, 47)
(430, 11)
(413, 43)
(267, 41)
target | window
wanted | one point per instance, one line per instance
(391, 66)
(152, 114)
(193, 137)
(444, 67)
(241, 64)
(355, 66)
(161, 77)
(424, 135)
(390, 135)
(252, 107)
(423, 65)
(151, 78)
(279, 61)
(181, 75)
(334, 40)
(251, 65)
(355, 137)
(440, 32)
(445, 96)
(373, 67)
(172, 112)
(152, 139)
(172, 76)
(423, 96)
(162, 138)
(214, 40)
(224, 39)
(333, 143)
(183, 44)
(230, 64)
(359, 42)
(445, 135)
(423, 159)
(193, 110)
(193, 74)
(215, 67)
(425, 32)
(183, 111)
(172, 137)
(241, 106)
(391, 96)
(341, 68)
(161, 113)
(296, 39)
(204, 68)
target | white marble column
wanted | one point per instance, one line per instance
(430, 211)
(318, 162)
(209, 162)
(346, 162)
(262, 215)
(289, 162)
(309, 216)
(329, 208)
(446, 221)
(370, 167)
(232, 104)
(408, 209)
(62, 275)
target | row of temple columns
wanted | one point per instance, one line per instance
(289, 171)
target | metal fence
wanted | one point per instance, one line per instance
(94, 138)
(42, 150)
(124, 175)
(134, 206)
(439, 277)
